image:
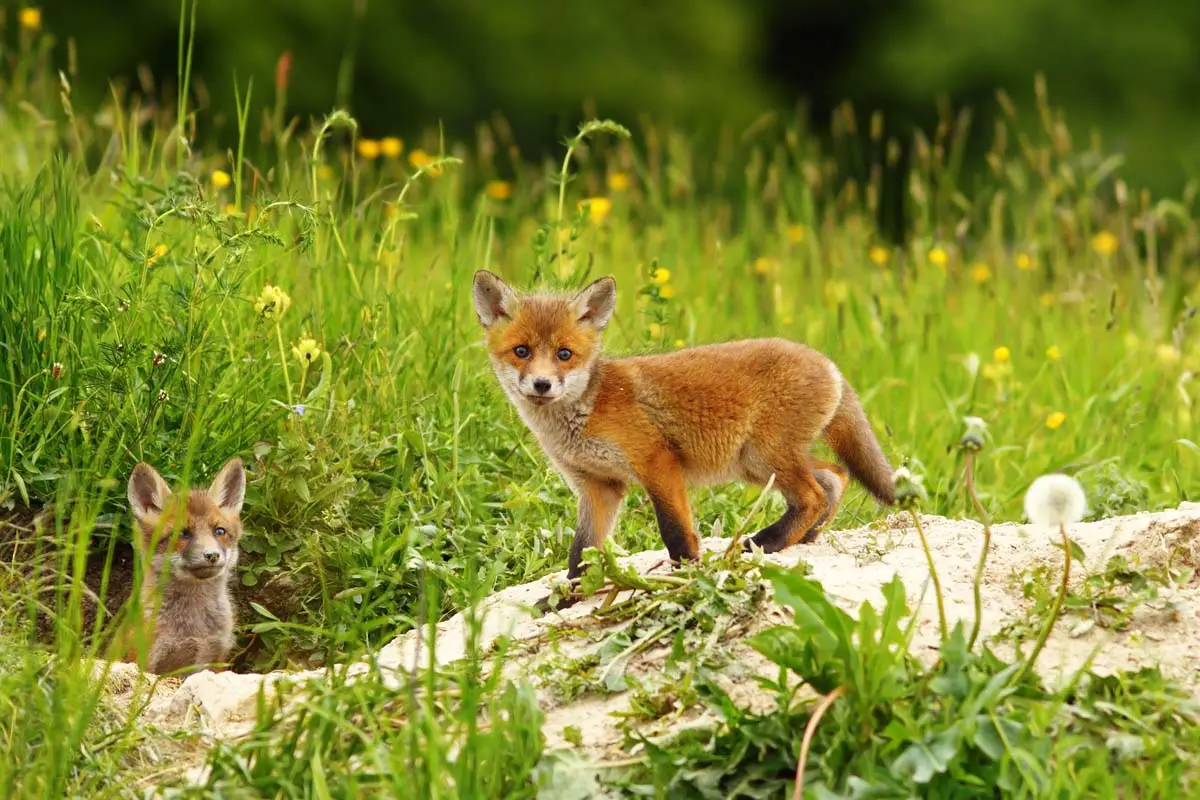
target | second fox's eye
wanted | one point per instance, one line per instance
(186, 533)
(218, 531)
(521, 351)
(564, 354)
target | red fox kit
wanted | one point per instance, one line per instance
(192, 543)
(741, 410)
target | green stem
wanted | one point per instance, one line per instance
(937, 584)
(287, 381)
(987, 542)
(1056, 609)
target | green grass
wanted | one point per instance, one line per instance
(135, 325)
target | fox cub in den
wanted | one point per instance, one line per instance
(191, 542)
(740, 410)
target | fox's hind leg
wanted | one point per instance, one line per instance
(808, 502)
(833, 480)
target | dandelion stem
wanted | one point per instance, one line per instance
(809, 731)
(287, 381)
(1056, 609)
(987, 542)
(937, 584)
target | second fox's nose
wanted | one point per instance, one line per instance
(541, 385)
(211, 556)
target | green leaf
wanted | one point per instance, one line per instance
(922, 760)
(263, 611)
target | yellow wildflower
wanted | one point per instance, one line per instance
(795, 233)
(660, 276)
(980, 272)
(1131, 341)
(1047, 299)
(679, 343)
(421, 160)
(391, 147)
(1024, 262)
(1055, 420)
(879, 255)
(220, 178)
(1053, 353)
(667, 291)
(619, 182)
(158, 252)
(1002, 354)
(764, 265)
(598, 208)
(273, 302)
(655, 330)
(1167, 354)
(939, 257)
(230, 208)
(30, 18)
(836, 292)
(1105, 243)
(306, 350)
(324, 172)
(499, 190)
(368, 149)
(788, 320)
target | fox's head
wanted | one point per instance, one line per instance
(196, 536)
(543, 346)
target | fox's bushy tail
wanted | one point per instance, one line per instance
(850, 435)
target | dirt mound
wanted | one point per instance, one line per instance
(852, 565)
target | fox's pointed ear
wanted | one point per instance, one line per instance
(147, 492)
(596, 302)
(228, 489)
(493, 298)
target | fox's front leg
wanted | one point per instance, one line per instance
(662, 477)
(599, 505)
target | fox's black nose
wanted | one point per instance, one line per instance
(541, 385)
(211, 556)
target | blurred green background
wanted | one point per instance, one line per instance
(1131, 70)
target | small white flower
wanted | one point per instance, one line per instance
(1055, 500)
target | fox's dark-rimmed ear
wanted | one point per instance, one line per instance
(493, 298)
(147, 492)
(596, 302)
(228, 489)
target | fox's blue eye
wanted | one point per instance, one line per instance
(521, 351)
(564, 354)
(218, 531)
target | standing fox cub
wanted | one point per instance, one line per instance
(192, 543)
(741, 410)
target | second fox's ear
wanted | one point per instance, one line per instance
(596, 302)
(228, 489)
(493, 298)
(147, 492)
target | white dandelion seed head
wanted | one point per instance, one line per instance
(1055, 500)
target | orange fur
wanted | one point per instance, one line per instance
(742, 410)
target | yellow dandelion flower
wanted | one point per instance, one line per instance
(836, 292)
(1105, 243)
(391, 147)
(1132, 341)
(273, 302)
(1167, 354)
(764, 265)
(421, 160)
(598, 208)
(879, 255)
(30, 18)
(1002, 354)
(939, 257)
(679, 343)
(1055, 420)
(619, 182)
(796, 233)
(1024, 262)
(1053, 353)
(655, 330)
(324, 172)
(220, 178)
(980, 272)
(499, 190)
(230, 209)
(1047, 299)
(158, 252)
(41, 337)
(306, 350)
(368, 149)
(660, 276)
(667, 291)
